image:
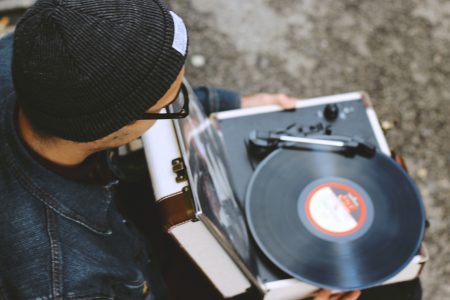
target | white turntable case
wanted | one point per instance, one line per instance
(192, 235)
(201, 238)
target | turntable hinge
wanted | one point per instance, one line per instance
(179, 168)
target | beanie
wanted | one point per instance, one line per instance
(83, 69)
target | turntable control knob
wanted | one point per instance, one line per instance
(331, 112)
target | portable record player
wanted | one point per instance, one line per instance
(221, 185)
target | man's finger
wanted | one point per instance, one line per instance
(322, 295)
(351, 295)
(285, 101)
(336, 296)
(261, 99)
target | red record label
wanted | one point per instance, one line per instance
(336, 209)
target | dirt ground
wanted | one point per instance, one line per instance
(397, 51)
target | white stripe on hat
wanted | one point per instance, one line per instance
(179, 35)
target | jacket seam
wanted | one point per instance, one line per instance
(42, 195)
(46, 198)
(56, 257)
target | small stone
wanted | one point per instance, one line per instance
(422, 173)
(387, 125)
(198, 61)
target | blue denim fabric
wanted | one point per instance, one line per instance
(214, 99)
(60, 239)
(6, 85)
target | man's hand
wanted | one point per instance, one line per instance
(326, 295)
(268, 99)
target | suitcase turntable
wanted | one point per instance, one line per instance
(288, 201)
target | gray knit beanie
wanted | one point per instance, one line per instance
(83, 69)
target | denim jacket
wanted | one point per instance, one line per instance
(61, 239)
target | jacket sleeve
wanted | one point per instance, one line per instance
(216, 99)
(6, 86)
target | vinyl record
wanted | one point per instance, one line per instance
(334, 221)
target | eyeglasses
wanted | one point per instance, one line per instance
(179, 104)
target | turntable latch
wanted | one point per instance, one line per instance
(189, 202)
(179, 168)
(177, 208)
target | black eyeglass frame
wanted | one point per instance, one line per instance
(171, 115)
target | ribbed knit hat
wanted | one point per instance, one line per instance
(83, 69)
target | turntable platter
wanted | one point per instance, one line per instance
(335, 221)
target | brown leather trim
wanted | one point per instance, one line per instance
(176, 208)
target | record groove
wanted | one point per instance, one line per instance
(349, 257)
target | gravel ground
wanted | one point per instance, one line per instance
(396, 51)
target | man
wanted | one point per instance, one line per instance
(86, 76)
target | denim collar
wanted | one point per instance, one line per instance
(85, 204)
